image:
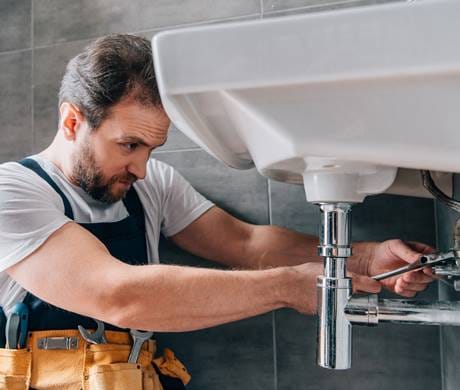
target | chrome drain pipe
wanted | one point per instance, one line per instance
(334, 288)
(369, 310)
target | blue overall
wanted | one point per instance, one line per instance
(124, 239)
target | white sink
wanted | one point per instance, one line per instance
(338, 99)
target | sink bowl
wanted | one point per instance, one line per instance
(336, 100)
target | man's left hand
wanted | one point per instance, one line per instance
(392, 254)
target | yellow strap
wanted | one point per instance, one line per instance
(169, 365)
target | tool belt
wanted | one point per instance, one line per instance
(61, 359)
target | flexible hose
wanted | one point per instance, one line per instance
(430, 185)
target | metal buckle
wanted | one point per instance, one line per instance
(58, 343)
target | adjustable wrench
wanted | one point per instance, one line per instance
(138, 340)
(97, 337)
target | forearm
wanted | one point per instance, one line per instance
(273, 246)
(174, 299)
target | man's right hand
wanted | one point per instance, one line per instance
(303, 290)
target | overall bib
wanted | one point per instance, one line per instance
(126, 241)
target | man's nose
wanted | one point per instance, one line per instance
(138, 169)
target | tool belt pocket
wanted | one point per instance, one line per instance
(106, 368)
(15, 368)
(116, 376)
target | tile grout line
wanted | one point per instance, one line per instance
(193, 24)
(275, 355)
(196, 149)
(440, 328)
(15, 51)
(323, 6)
(32, 76)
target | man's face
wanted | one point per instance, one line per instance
(109, 159)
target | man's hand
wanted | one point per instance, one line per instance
(392, 254)
(303, 292)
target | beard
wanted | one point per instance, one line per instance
(88, 175)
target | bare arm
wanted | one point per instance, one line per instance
(73, 270)
(218, 236)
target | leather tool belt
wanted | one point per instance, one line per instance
(61, 359)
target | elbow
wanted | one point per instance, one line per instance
(113, 301)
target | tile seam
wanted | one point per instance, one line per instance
(440, 330)
(197, 149)
(5, 53)
(320, 6)
(274, 343)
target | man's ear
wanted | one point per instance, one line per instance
(70, 120)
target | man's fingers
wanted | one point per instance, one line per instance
(405, 293)
(416, 287)
(363, 283)
(421, 248)
(417, 277)
(400, 249)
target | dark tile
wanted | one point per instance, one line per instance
(450, 352)
(49, 67)
(389, 356)
(177, 140)
(15, 22)
(382, 355)
(290, 209)
(242, 193)
(379, 218)
(383, 217)
(55, 20)
(238, 355)
(15, 105)
(233, 356)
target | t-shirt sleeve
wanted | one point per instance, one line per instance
(181, 204)
(30, 211)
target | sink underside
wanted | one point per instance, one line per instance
(352, 93)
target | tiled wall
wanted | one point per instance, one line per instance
(273, 351)
(450, 353)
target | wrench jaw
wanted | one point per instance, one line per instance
(139, 337)
(97, 337)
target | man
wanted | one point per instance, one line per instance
(78, 219)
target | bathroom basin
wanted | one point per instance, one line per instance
(338, 100)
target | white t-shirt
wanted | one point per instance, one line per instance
(30, 211)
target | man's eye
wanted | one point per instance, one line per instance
(130, 146)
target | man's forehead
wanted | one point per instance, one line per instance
(149, 124)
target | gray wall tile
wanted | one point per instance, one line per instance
(242, 193)
(397, 357)
(381, 355)
(49, 67)
(15, 23)
(233, 356)
(450, 352)
(96, 18)
(15, 105)
(177, 140)
(237, 355)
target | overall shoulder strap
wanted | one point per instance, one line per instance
(34, 166)
(133, 203)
